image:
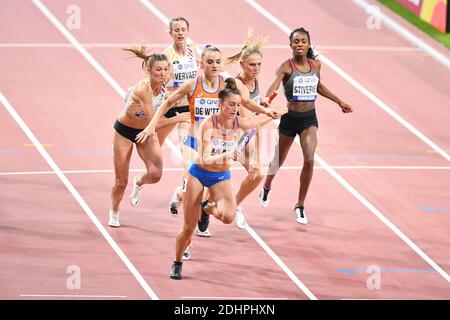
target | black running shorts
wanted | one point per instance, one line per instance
(127, 132)
(171, 112)
(293, 123)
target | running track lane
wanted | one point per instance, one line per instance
(408, 72)
(139, 249)
(293, 182)
(40, 220)
(406, 135)
(195, 37)
(44, 234)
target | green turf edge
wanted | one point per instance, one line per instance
(417, 22)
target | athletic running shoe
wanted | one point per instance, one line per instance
(114, 219)
(136, 194)
(204, 218)
(174, 201)
(205, 233)
(264, 197)
(187, 253)
(175, 272)
(300, 214)
(239, 219)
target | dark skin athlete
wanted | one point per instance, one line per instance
(308, 138)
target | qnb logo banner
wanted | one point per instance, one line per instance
(204, 107)
(435, 12)
(305, 88)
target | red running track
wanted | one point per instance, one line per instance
(70, 108)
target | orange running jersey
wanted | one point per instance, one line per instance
(223, 141)
(202, 103)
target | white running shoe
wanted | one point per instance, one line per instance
(174, 201)
(187, 253)
(136, 194)
(205, 233)
(264, 201)
(239, 219)
(114, 219)
(300, 215)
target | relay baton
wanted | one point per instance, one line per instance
(245, 139)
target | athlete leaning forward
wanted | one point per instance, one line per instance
(218, 138)
(202, 96)
(141, 102)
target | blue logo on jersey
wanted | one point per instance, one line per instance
(140, 114)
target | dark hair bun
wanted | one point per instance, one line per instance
(230, 83)
(230, 88)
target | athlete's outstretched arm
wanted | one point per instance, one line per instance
(252, 105)
(260, 120)
(324, 91)
(179, 117)
(281, 72)
(181, 92)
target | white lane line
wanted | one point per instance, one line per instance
(255, 236)
(382, 218)
(410, 37)
(77, 45)
(75, 194)
(58, 171)
(77, 171)
(165, 20)
(45, 45)
(369, 299)
(347, 185)
(44, 10)
(98, 45)
(388, 167)
(150, 6)
(233, 298)
(367, 48)
(355, 84)
(426, 168)
(280, 262)
(69, 296)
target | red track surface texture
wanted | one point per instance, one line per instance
(390, 173)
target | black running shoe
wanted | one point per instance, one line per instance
(174, 201)
(187, 253)
(175, 272)
(203, 223)
(173, 208)
(264, 197)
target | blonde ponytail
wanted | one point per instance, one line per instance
(141, 53)
(250, 47)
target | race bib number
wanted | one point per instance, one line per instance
(220, 146)
(305, 88)
(184, 71)
(204, 107)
